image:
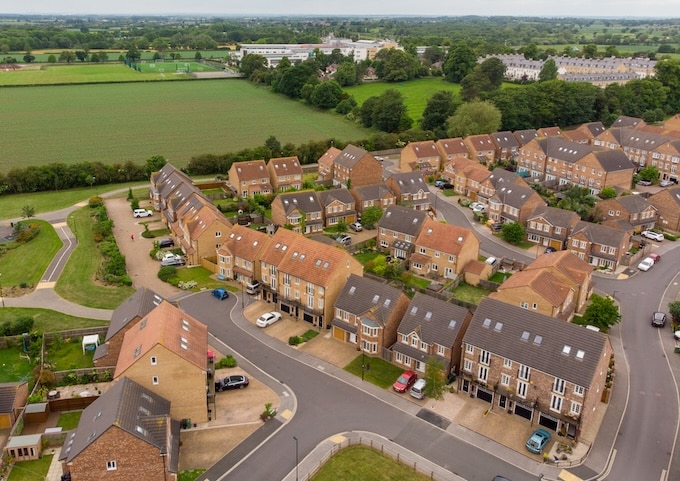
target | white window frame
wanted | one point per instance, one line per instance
(111, 465)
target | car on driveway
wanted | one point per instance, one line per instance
(666, 183)
(268, 318)
(438, 183)
(659, 319)
(650, 234)
(474, 205)
(537, 441)
(172, 260)
(644, 182)
(344, 239)
(405, 381)
(237, 381)
(646, 264)
(165, 243)
(479, 209)
(356, 226)
(221, 293)
(142, 213)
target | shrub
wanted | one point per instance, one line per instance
(295, 340)
(167, 272)
(95, 201)
(227, 361)
(71, 378)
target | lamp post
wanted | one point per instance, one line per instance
(296, 457)
(363, 364)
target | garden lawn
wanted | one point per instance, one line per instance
(468, 293)
(47, 320)
(379, 372)
(40, 250)
(178, 120)
(69, 420)
(31, 470)
(190, 474)
(77, 281)
(68, 355)
(361, 463)
(202, 277)
(14, 367)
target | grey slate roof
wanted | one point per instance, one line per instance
(624, 121)
(555, 216)
(564, 150)
(403, 220)
(130, 407)
(138, 305)
(599, 234)
(372, 191)
(409, 182)
(515, 195)
(350, 155)
(595, 128)
(8, 393)
(613, 160)
(525, 136)
(361, 295)
(505, 140)
(327, 197)
(500, 177)
(634, 203)
(434, 320)
(306, 201)
(546, 337)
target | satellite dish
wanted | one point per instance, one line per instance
(240, 211)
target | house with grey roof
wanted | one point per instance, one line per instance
(338, 206)
(550, 372)
(398, 229)
(354, 166)
(599, 245)
(126, 433)
(630, 212)
(300, 210)
(13, 396)
(506, 145)
(430, 328)
(410, 189)
(367, 313)
(525, 136)
(550, 226)
(372, 195)
(514, 203)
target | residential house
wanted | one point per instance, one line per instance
(667, 204)
(431, 328)
(549, 132)
(13, 397)
(513, 203)
(285, 173)
(167, 353)
(410, 190)
(168, 177)
(338, 206)
(398, 229)
(443, 250)
(450, 149)
(354, 167)
(300, 210)
(465, 175)
(481, 148)
(602, 169)
(494, 181)
(238, 257)
(367, 313)
(126, 315)
(128, 433)
(423, 157)
(525, 136)
(584, 133)
(249, 178)
(507, 147)
(599, 245)
(550, 226)
(303, 277)
(626, 121)
(326, 165)
(571, 270)
(373, 195)
(550, 372)
(630, 212)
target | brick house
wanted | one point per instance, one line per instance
(301, 210)
(465, 175)
(549, 132)
(126, 315)
(410, 190)
(571, 270)
(163, 182)
(513, 203)
(326, 165)
(250, 177)
(354, 167)
(523, 137)
(430, 328)
(238, 257)
(550, 226)
(303, 277)
(550, 372)
(285, 173)
(367, 314)
(338, 205)
(450, 149)
(423, 157)
(598, 245)
(584, 133)
(13, 397)
(602, 169)
(443, 250)
(398, 229)
(506, 144)
(481, 148)
(373, 195)
(126, 434)
(167, 353)
(667, 204)
(631, 212)
(494, 181)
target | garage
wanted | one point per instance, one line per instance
(484, 394)
(523, 411)
(548, 421)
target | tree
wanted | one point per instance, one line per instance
(650, 173)
(197, 55)
(397, 65)
(370, 216)
(435, 383)
(667, 71)
(389, 112)
(27, 211)
(252, 63)
(548, 71)
(439, 108)
(28, 58)
(326, 95)
(346, 74)
(474, 118)
(67, 56)
(133, 55)
(51, 59)
(674, 311)
(602, 312)
(154, 164)
(512, 233)
(608, 193)
(81, 55)
(459, 62)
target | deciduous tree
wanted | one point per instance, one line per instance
(602, 312)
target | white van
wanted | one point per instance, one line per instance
(418, 389)
(252, 288)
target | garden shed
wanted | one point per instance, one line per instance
(90, 342)
(24, 448)
(37, 413)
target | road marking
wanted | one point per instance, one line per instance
(286, 414)
(339, 439)
(285, 393)
(320, 367)
(610, 464)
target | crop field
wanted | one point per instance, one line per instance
(117, 122)
(47, 74)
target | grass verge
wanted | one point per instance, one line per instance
(47, 320)
(69, 355)
(40, 250)
(377, 371)
(190, 474)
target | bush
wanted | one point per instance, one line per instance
(167, 273)
(21, 325)
(295, 340)
(227, 361)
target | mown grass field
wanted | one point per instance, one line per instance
(42, 56)
(14, 266)
(173, 67)
(133, 121)
(47, 320)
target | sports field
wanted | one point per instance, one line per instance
(173, 67)
(133, 121)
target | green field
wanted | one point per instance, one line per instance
(173, 67)
(133, 121)
(42, 56)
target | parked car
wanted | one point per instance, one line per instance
(221, 293)
(479, 209)
(344, 239)
(253, 287)
(438, 183)
(666, 183)
(165, 243)
(236, 381)
(474, 205)
(548, 250)
(650, 234)
(659, 319)
(142, 213)
(356, 226)
(538, 440)
(655, 257)
(268, 318)
(405, 381)
(646, 264)
(496, 227)
(446, 186)
(644, 182)
(418, 389)
(173, 261)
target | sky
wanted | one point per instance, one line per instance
(534, 8)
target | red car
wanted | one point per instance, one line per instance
(405, 381)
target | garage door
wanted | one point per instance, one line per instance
(523, 411)
(484, 394)
(5, 421)
(547, 421)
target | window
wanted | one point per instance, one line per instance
(505, 380)
(483, 373)
(369, 331)
(154, 361)
(524, 372)
(522, 389)
(111, 466)
(575, 408)
(154, 380)
(558, 385)
(579, 390)
(414, 341)
(524, 305)
(441, 350)
(507, 363)
(399, 357)
(556, 403)
(484, 357)
(469, 348)
(534, 306)
(467, 365)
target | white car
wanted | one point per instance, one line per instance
(652, 235)
(646, 264)
(142, 213)
(666, 183)
(356, 226)
(479, 209)
(268, 318)
(474, 205)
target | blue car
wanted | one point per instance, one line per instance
(221, 293)
(538, 440)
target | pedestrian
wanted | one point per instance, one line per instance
(132, 236)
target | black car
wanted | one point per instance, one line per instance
(237, 381)
(658, 319)
(446, 186)
(163, 243)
